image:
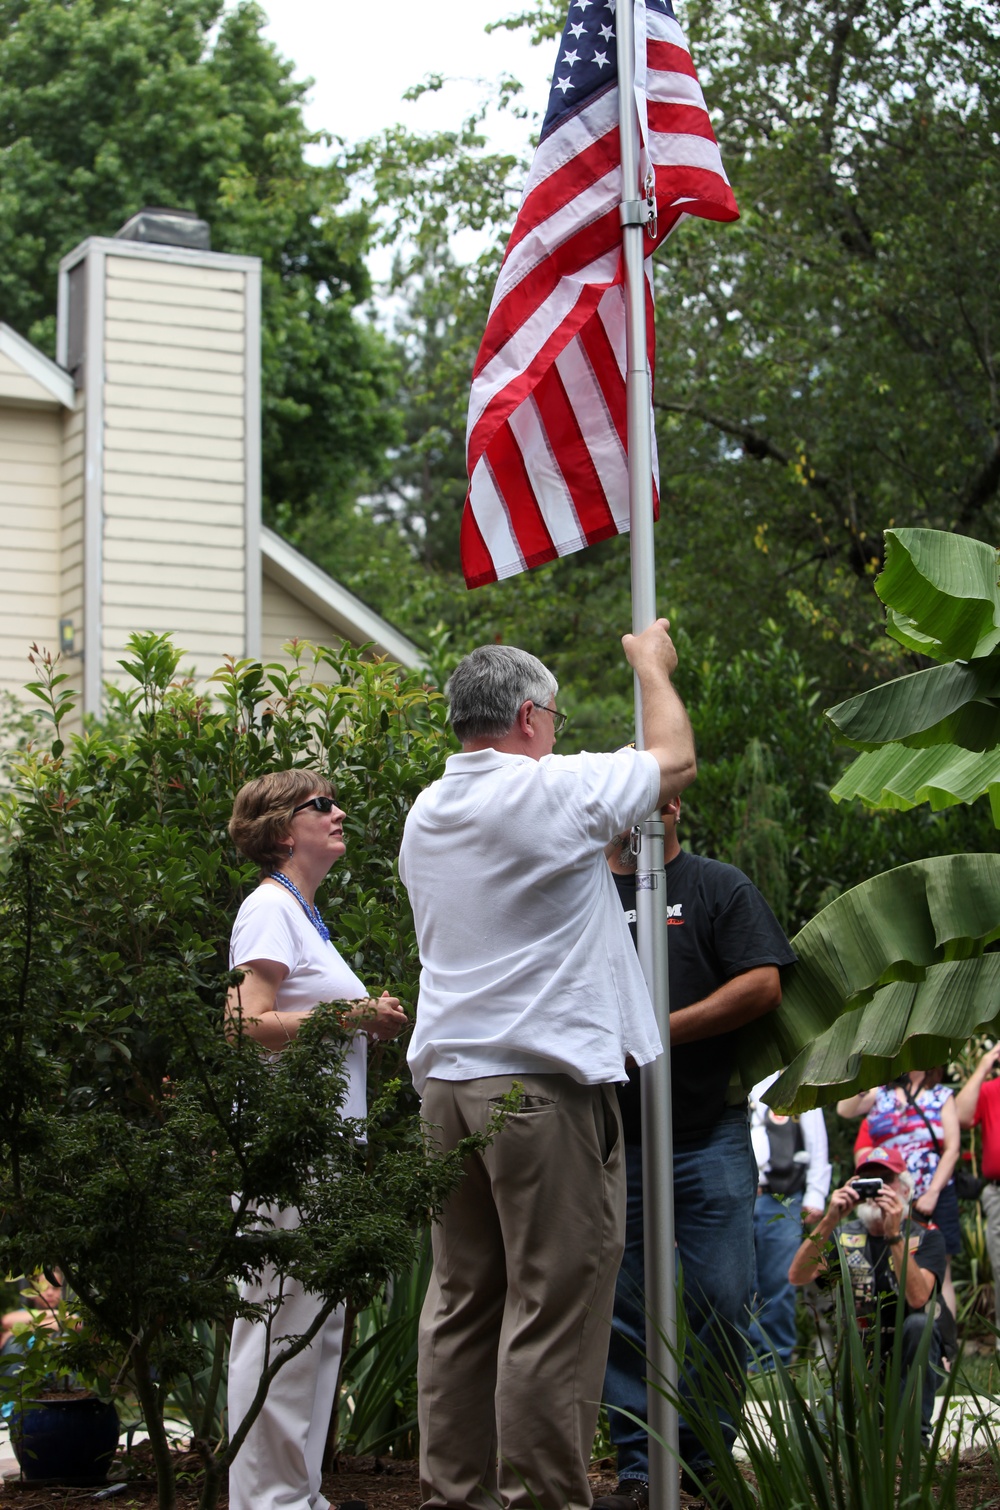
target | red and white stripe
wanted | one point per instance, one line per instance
(546, 437)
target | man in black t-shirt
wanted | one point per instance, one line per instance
(882, 1247)
(724, 957)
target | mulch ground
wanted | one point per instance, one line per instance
(372, 1483)
(376, 1484)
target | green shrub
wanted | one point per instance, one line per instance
(127, 1117)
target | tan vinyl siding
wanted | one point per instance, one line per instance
(187, 392)
(193, 423)
(193, 337)
(185, 511)
(284, 618)
(146, 534)
(30, 485)
(200, 361)
(131, 270)
(174, 466)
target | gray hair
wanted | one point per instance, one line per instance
(487, 688)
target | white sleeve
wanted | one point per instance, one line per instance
(818, 1178)
(264, 930)
(758, 1127)
(618, 791)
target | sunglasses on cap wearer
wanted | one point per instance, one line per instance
(321, 804)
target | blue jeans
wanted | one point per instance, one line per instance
(777, 1236)
(715, 1182)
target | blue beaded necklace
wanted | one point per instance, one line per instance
(311, 912)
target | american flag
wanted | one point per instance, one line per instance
(547, 421)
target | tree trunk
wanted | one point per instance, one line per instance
(149, 1399)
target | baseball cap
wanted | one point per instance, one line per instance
(880, 1158)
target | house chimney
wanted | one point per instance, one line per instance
(163, 338)
(167, 228)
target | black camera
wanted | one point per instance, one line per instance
(866, 1188)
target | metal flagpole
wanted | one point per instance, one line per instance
(651, 897)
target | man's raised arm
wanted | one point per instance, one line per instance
(666, 727)
(968, 1097)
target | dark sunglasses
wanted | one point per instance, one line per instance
(321, 804)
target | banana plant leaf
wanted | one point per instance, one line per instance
(891, 928)
(943, 704)
(941, 593)
(898, 777)
(907, 1025)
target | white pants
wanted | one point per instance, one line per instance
(280, 1463)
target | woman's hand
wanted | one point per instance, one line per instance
(380, 1017)
(925, 1203)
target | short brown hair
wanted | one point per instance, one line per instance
(263, 811)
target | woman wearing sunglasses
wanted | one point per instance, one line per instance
(289, 824)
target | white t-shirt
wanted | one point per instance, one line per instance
(527, 965)
(272, 925)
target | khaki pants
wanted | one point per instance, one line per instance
(514, 1331)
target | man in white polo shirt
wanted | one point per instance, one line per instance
(528, 975)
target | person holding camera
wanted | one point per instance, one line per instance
(887, 1250)
(917, 1115)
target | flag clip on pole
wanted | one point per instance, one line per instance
(651, 897)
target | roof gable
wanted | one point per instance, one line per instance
(28, 378)
(351, 618)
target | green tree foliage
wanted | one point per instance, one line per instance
(825, 367)
(109, 105)
(127, 1117)
(424, 193)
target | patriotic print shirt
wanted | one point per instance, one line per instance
(892, 1125)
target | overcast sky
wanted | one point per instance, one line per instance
(364, 55)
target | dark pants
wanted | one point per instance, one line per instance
(913, 1331)
(715, 1184)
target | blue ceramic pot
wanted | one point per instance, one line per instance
(71, 1441)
